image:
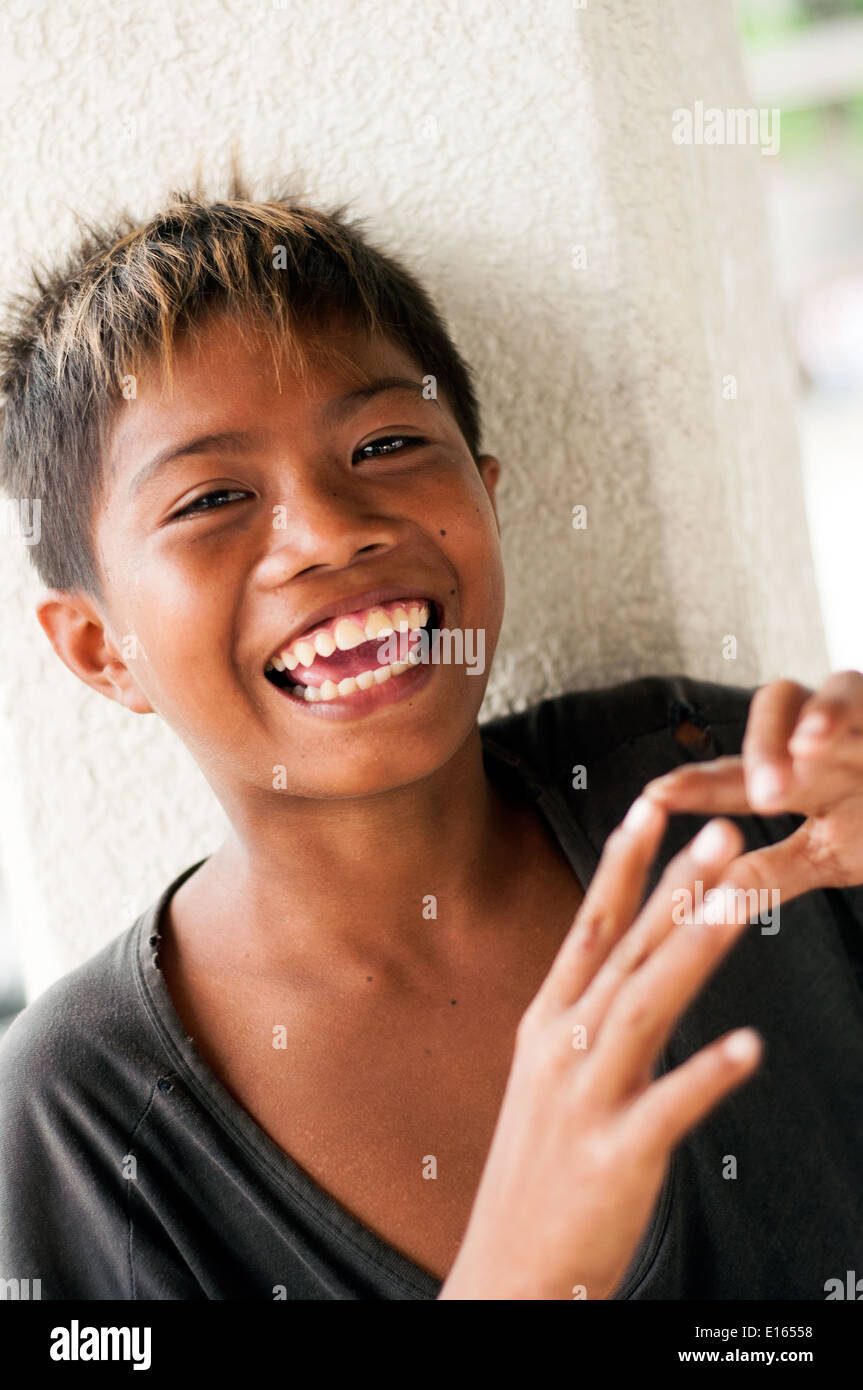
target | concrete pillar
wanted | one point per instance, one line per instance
(613, 288)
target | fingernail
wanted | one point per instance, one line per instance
(640, 814)
(742, 1045)
(711, 841)
(766, 783)
(813, 725)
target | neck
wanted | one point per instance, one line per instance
(359, 878)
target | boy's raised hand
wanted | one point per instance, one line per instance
(802, 752)
(584, 1134)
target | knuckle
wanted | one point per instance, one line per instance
(820, 852)
(537, 1036)
(545, 1056)
(628, 954)
(555, 1049)
(633, 1014)
(594, 923)
(598, 1152)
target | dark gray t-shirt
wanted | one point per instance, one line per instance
(127, 1171)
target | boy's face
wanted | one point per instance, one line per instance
(302, 524)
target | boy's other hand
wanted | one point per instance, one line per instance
(802, 752)
(584, 1134)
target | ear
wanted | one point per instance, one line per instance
(77, 633)
(489, 468)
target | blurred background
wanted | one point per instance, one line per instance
(805, 57)
(11, 983)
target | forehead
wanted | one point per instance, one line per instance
(222, 369)
(218, 355)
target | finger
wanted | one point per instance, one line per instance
(717, 786)
(704, 860)
(612, 899)
(778, 734)
(645, 1011)
(670, 1107)
(773, 713)
(830, 722)
(785, 870)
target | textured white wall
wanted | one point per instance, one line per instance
(483, 143)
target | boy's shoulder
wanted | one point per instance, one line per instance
(88, 1026)
(645, 725)
(81, 1068)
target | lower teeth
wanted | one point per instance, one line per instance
(330, 690)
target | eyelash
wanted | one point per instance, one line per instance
(405, 439)
(196, 509)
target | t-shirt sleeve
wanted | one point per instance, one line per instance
(68, 1113)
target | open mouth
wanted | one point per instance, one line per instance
(354, 651)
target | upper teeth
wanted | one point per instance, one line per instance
(345, 633)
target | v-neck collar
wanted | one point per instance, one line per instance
(404, 1274)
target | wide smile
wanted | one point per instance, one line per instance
(355, 662)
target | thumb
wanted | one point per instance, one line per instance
(787, 866)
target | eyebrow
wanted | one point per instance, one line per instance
(341, 406)
(224, 441)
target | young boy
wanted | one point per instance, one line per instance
(363, 1050)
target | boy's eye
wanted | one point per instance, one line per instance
(205, 502)
(392, 444)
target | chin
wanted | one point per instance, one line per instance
(373, 766)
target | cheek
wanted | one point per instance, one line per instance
(472, 545)
(184, 623)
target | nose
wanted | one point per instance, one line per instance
(322, 527)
